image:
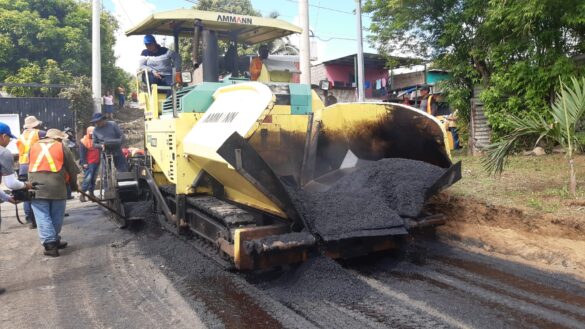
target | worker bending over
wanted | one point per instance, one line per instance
(109, 137)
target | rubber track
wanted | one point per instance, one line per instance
(200, 244)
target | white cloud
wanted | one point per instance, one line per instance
(130, 13)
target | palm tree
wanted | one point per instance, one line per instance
(567, 112)
(281, 46)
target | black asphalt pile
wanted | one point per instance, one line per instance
(319, 278)
(371, 201)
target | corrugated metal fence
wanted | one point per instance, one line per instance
(481, 133)
(54, 112)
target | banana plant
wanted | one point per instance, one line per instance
(567, 111)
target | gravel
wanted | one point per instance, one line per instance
(319, 278)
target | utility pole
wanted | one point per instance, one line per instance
(360, 52)
(305, 47)
(96, 58)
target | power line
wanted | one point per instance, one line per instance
(126, 13)
(326, 8)
(335, 38)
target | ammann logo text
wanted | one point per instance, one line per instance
(234, 19)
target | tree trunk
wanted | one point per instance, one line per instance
(572, 179)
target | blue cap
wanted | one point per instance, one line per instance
(97, 117)
(148, 39)
(5, 130)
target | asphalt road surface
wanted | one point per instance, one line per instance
(149, 278)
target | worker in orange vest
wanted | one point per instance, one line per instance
(257, 62)
(89, 159)
(51, 168)
(30, 135)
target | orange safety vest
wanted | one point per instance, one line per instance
(46, 157)
(87, 141)
(429, 108)
(24, 142)
(255, 68)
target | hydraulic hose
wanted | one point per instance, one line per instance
(17, 216)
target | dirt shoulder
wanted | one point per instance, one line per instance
(525, 214)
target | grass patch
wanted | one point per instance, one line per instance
(534, 184)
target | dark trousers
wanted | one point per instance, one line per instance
(89, 177)
(120, 161)
(164, 80)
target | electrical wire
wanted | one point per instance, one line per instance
(125, 12)
(326, 8)
(335, 38)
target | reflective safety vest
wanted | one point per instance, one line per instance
(24, 142)
(429, 105)
(46, 157)
(255, 68)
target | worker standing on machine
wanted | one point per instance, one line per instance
(158, 62)
(30, 135)
(257, 63)
(427, 103)
(52, 168)
(108, 135)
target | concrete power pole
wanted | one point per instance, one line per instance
(305, 47)
(96, 58)
(360, 52)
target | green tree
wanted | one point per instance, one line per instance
(516, 50)
(240, 7)
(567, 112)
(80, 101)
(26, 74)
(52, 36)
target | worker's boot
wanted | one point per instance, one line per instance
(82, 197)
(32, 223)
(61, 244)
(51, 249)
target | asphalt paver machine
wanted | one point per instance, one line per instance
(224, 158)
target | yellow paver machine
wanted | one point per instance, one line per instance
(257, 168)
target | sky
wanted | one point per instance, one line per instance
(331, 21)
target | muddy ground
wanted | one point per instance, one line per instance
(149, 278)
(547, 241)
